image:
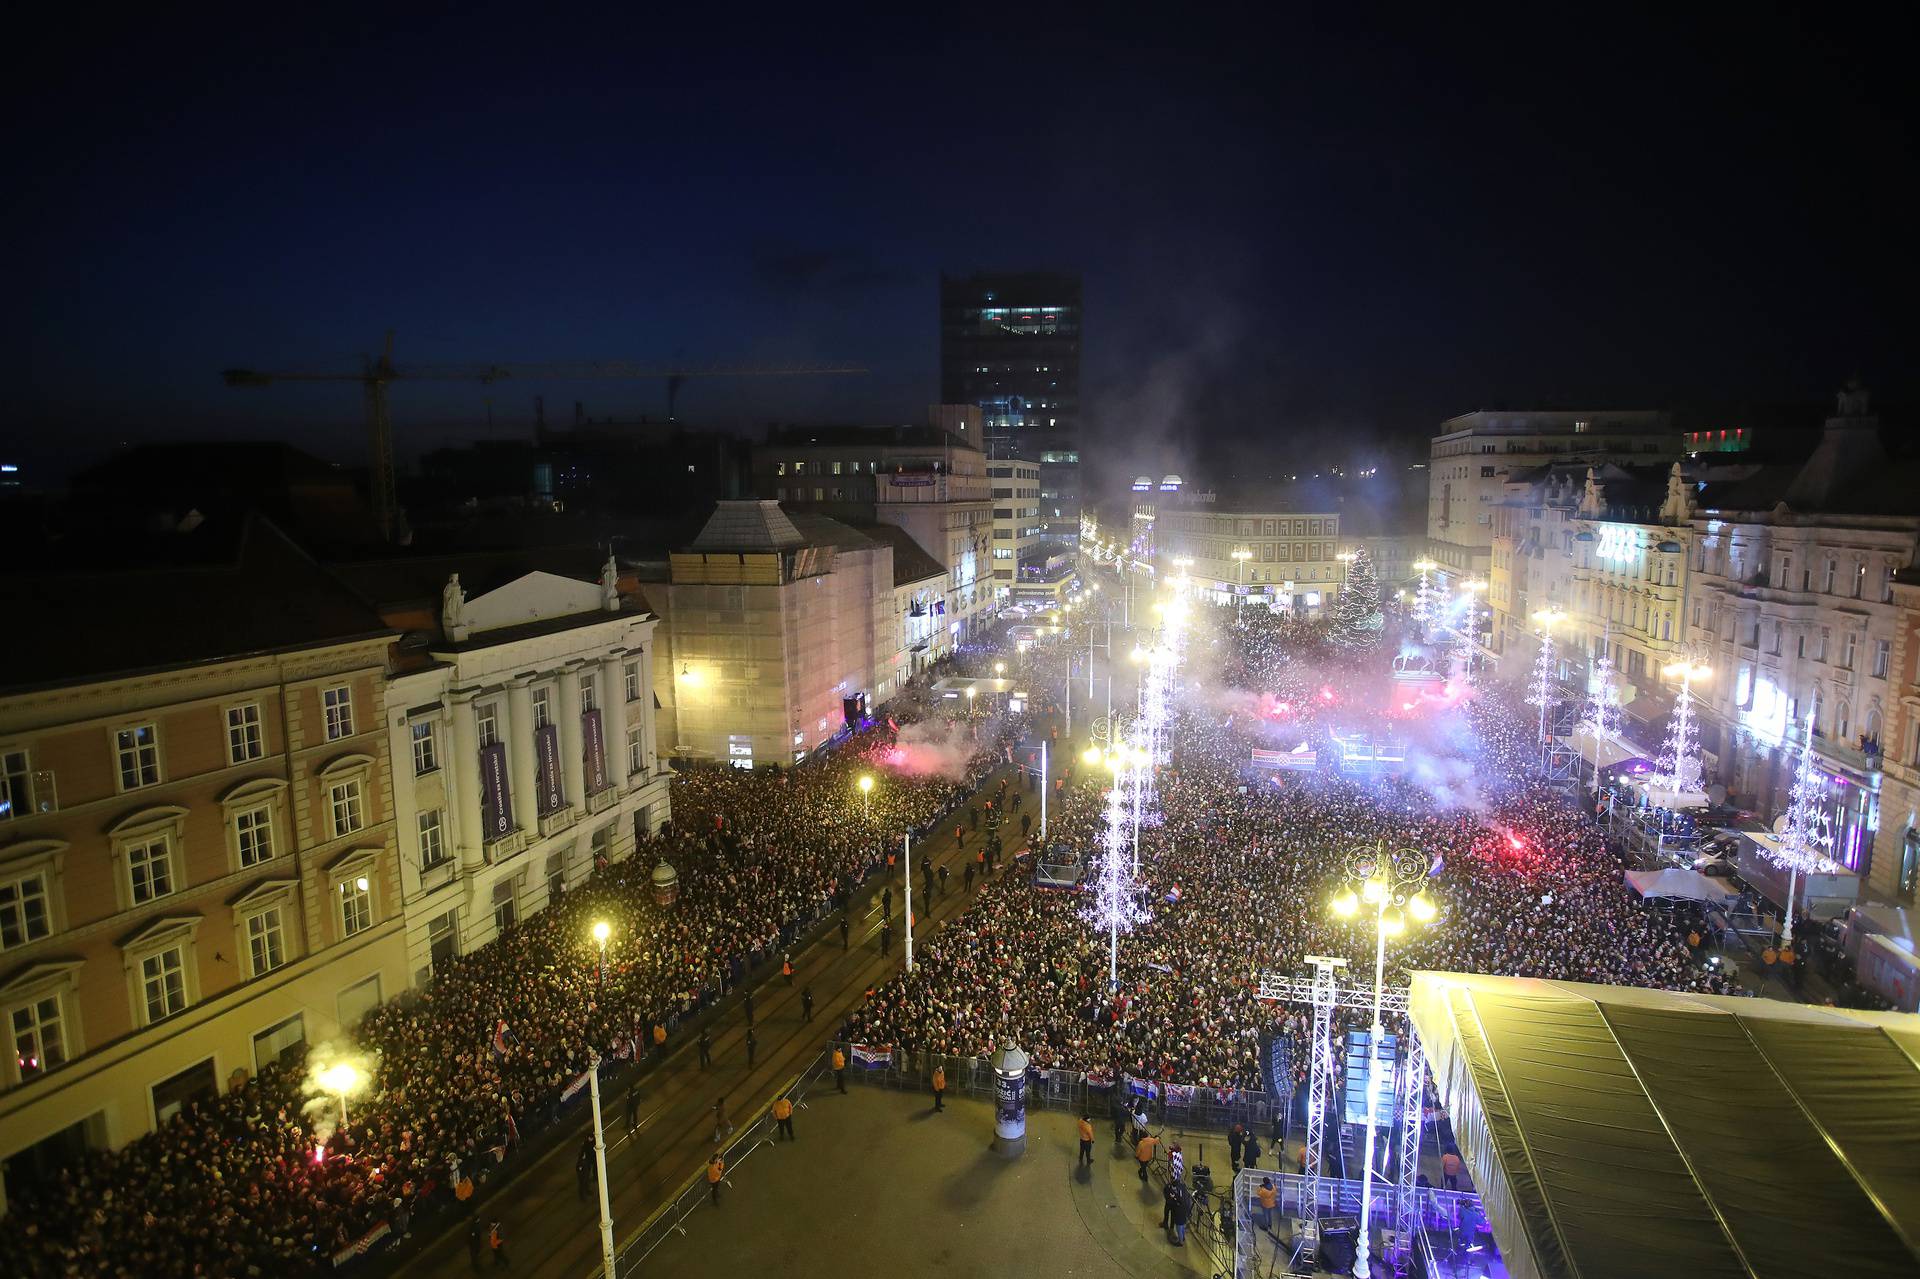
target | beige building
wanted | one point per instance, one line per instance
(197, 856)
(520, 729)
(774, 623)
(1017, 527)
(919, 478)
(1264, 545)
(1895, 871)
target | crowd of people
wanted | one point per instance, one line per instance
(1236, 878)
(465, 1070)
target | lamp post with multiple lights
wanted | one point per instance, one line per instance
(1390, 881)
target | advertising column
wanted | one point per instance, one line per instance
(1010, 1100)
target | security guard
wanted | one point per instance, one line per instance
(840, 1070)
(783, 1115)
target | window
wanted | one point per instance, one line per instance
(1828, 588)
(426, 755)
(1882, 655)
(443, 942)
(243, 733)
(39, 1041)
(150, 868)
(16, 784)
(356, 905)
(23, 909)
(343, 802)
(338, 704)
(1843, 722)
(1786, 571)
(266, 943)
(1846, 651)
(1859, 578)
(253, 833)
(1800, 646)
(487, 723)
(542, 707)
(503, 904)
(556, 876)
(631, 671)
(281, 1045)
(139, 751)
(636, 752)
(433, 844)
(1886, 584)
(589, 698)
(1486, 472)
(1820, 646)
(163, 983)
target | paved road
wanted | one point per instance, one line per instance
(552, 1233)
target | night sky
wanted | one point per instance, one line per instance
(1284, 228)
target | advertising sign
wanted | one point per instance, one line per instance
(595, 747)
(496, 801)
(546, 758)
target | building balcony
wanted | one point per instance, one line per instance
(603, 799)
(558, 820)
(1851, 758)
(498, 850)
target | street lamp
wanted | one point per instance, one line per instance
(999, 668)
(1390, 881)
(1240, 557)
(866, 789)
(342, 1079)
(601, 931)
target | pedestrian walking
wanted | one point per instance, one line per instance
(1268, 1197)
(943, 881)
(1182, 1212)
(840, 1070)
(1121, 1117)
(1086, 1140)
(659, 1042)
(1236, 1139)
(721, 1128)
(476, 1242)
(786, 968)
(783, 1116)
(886, 903)
(1176, 1163)
(716, 1168)
(497, 1243)
(1252, 1149)
(1143, 1152)
(633, 1106)
(1169, 1195)
(967, 878)
(846, 933)
(806, 1003)
(753, 1046)
(939, 1088)
(1450, 1166)
(706, 1049)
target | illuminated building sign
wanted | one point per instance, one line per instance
(1621, 542)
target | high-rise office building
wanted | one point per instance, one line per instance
(1010, 343)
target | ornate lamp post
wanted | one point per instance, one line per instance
(1390, 881)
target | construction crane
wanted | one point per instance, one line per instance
(377, 372)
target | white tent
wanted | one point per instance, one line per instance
(1611, 747)
(1690, 884)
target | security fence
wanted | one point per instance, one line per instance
(1265, 1241)
(1183, 1106)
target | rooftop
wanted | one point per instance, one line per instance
(910, 562)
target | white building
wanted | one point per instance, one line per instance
(520, 722)
(1794, 569)
(1017, 526)
(1470, 459)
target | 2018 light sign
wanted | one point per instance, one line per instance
(1621, 542)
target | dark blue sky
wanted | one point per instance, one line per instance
(1286, 227)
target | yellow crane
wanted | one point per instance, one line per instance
(378, 371)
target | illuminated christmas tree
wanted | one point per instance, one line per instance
(1356, 611)
(1805, 836)
(1680, 764)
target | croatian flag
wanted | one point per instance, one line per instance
(500, 1042)
(572, 1090)
(869, 1058)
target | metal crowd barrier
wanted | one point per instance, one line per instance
(1174, 1105)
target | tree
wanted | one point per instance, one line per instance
(1356, 610)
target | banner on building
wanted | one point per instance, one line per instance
(496, 800)
(594, 737)
(918, 481)
(546, 759)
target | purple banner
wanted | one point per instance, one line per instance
(596, 750)
(496, 801)
(546, 762)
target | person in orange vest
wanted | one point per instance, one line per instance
(1450, 1166)
(716, 1167)
(1269, 1198)
(1086, 1140)
(890, 861)
(840, 1070)
(783, 1115)
(659, 1041)
(1144, 1153)
(939, 1088)
(497, 1244)
(786, 968)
